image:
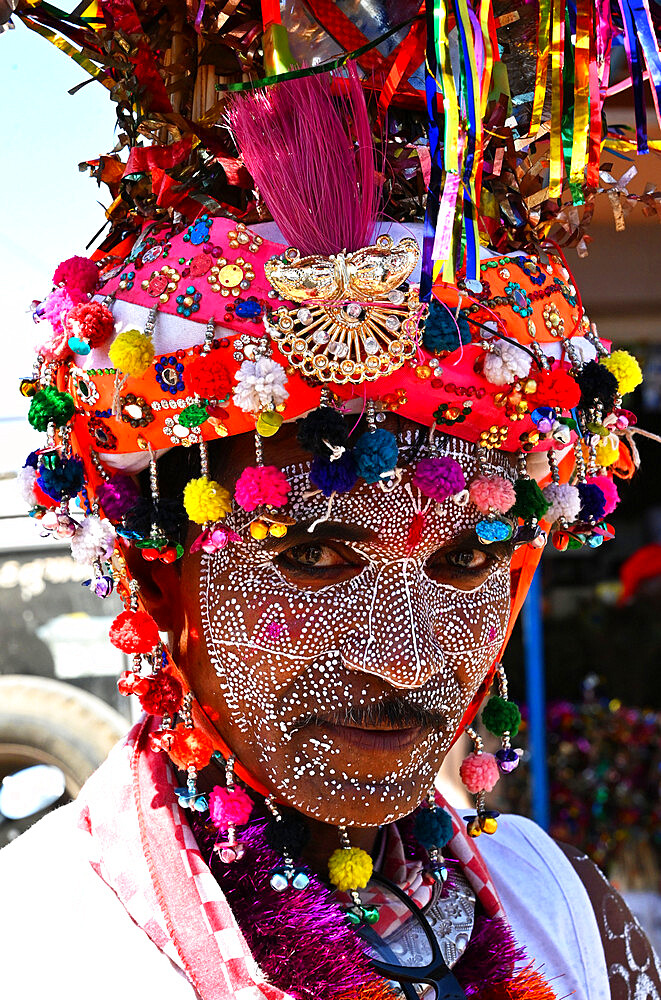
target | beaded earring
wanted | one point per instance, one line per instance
(157, 545)
(479, 773)
(287, 836)
(433, 830)
(188, 796)
(502, 718)
(350, 869)
(530, 506)
(229, 807)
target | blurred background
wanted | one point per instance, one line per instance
(588, 663)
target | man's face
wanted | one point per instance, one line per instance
(337, 663)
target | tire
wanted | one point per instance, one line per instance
(44, 721)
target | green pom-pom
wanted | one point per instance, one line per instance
(50, 404)
(193, 415)
(500, 716)
(530, 501)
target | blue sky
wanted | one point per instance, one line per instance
(49, 209)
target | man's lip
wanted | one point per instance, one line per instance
(372, 739)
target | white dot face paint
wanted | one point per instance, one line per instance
(346, 658)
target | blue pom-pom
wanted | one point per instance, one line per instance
(334, 477)
(593, 502)
(440, 332)
(375, 452)
(66, 479)
(32, 460)
(433, 827)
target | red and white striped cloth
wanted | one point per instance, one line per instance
(142, 847)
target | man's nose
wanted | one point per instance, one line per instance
(397, 643)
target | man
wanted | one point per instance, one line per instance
(337, 556)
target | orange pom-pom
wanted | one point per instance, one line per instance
(190, 747)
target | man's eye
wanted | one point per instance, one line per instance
(307, 555)
(316, 559)
(465, 566)
(467, 558)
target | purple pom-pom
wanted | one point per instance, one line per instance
(117, 496)
(376, 452)
(593, 502)
(32, 460)
(439, 478)
(334, 477)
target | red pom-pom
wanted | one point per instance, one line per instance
(190, 747)
(479, 772)
(77, 272)
(209, 378)
(134, 632)
(162, 695)
(131, 683)
(229, 807)
(555, 388)
(90, 321)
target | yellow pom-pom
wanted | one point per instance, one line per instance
(259, 530)
(606, 452)
(626, 370)
(349, 868)
(206, 500)
(132, 353)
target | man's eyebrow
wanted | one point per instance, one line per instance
(324, 531)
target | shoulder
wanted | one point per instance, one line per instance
(565, 912)
(61, 926)
(548, 907)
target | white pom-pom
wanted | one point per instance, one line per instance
(565, 502)
(26, 478)
(261, 386)
(505, 364)
(94, 539)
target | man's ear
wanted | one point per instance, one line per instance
(160, 589)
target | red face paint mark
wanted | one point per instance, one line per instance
(416, 527)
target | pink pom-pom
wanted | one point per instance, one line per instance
(609, 489)
(54, 308)
(439, 478)
(229, 808)
(492, 493)
(77, 272)
(258, 485)
(479, 772)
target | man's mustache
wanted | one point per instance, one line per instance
(394, 713)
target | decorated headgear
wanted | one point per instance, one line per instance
(203, 328)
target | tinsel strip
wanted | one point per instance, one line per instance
(472, 65)
(65, 46)
(556, 166)
(583, 52)
(645, 33)
(541, 71)
(632, 49)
